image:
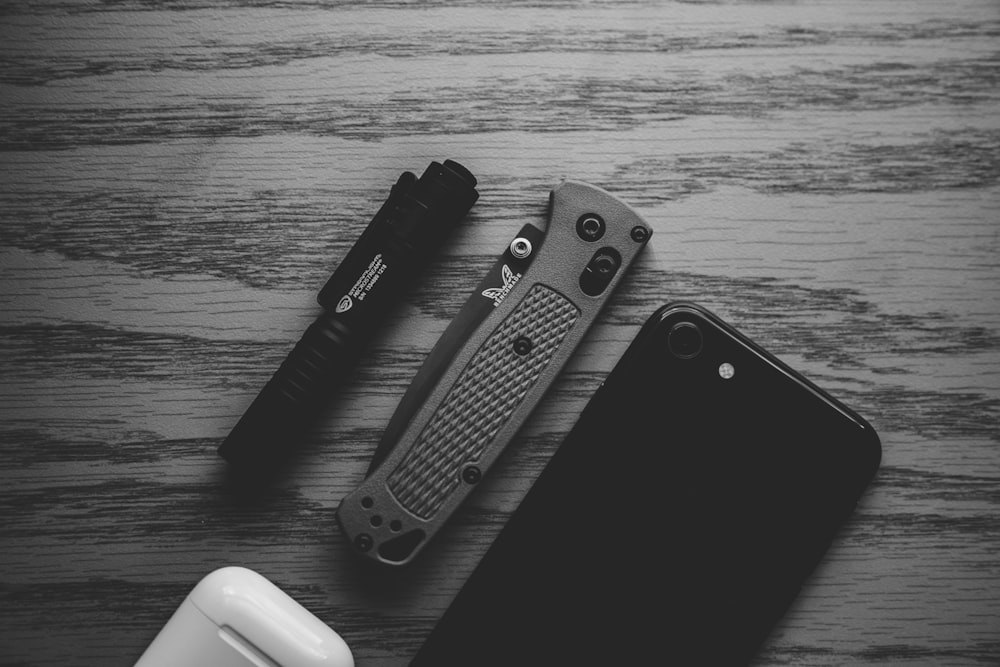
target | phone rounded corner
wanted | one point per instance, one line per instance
(875, 449)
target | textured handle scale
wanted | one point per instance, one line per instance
(480, 403)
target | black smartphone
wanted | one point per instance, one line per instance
(701, 485)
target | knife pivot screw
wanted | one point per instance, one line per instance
(590, 227)
(367, 502)
(364, 542)
(472, 474)
(522, 346)
(520, 247)
(639, 234)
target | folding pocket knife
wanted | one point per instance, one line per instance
(490, 368)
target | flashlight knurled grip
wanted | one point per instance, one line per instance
(312, 364)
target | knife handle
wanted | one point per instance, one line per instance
(482, 400)
(498, 371)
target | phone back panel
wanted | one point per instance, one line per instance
(678, 519)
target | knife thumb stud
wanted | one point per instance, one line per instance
(520, 247)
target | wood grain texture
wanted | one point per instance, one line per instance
(177, 181)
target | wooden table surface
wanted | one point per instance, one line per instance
(178, 180)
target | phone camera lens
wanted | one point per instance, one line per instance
(684, 340)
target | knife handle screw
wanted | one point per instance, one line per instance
(472, 474)
(364, 542)
(522, 346)
(590, 227)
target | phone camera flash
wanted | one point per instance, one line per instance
(726, 371)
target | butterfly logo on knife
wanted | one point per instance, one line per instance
(499, 293)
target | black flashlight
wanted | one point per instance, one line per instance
(410, 226)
